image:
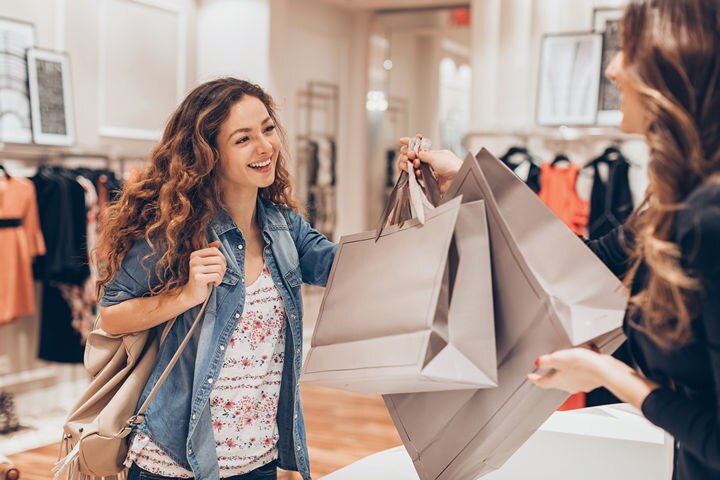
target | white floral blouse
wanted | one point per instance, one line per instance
(244, 398)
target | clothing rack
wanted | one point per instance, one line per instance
(62, 155)
(318, 114)
(560, 136)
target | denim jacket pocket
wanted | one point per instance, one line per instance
(293, 277)
(230, 278)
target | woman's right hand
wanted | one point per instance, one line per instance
(444, 163)
(206, 266)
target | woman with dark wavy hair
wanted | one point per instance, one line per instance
(215, 206)
(669, 252)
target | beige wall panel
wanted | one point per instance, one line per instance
(140, 65)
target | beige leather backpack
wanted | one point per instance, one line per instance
(94, 444)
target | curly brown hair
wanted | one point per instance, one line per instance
(672, 53)
(175, 198)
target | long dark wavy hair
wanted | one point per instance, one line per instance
(671, 52)
(177, 195)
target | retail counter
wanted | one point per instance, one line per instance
(602, 443)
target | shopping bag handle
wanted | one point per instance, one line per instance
(401, 197)
(432, 188)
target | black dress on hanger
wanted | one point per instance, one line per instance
(63, 220)
(611, 202)
(533, 179)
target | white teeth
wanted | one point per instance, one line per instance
(260, 165)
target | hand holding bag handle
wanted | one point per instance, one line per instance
(408, 191)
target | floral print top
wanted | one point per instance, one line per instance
(244, 398)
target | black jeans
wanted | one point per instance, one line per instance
(266, 472)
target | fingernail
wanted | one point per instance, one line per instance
(537, 362)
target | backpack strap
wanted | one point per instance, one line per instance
(139, 417)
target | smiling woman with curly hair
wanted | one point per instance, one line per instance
(215, 207)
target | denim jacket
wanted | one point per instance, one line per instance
(178, 419)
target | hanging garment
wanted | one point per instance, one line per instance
(326, 162)
(321, 185)
(63, 218)
(611, 202)
(81, 299)
(59, 341)
(20, 240)
(557, 191)
(313, 162)
(108, 189)
(526, 169)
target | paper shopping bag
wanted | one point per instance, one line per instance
(550, 292)
(410, 310)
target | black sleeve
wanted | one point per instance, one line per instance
(612, 249)
(695, 423)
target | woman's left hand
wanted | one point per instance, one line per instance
(573, 370)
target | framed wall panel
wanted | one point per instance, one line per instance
(142, 64)
(49, 80)
(569, 79)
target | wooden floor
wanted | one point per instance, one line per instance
(341, 428)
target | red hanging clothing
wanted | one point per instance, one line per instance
(557, 191)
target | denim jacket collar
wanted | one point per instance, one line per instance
(268, 217)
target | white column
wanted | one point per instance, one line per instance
(428, 85)
(485, 47)
(516, 77)
(352, 188)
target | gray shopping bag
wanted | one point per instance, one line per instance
(550, 292)
(409, 308)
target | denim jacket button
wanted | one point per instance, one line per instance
(237, 315)
(210, 380)
(222, 347)
(240, 247)
(292, 316)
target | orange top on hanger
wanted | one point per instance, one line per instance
(557, 190)
(20, 240)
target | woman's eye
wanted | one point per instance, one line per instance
(269, 128)
(242, 140)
